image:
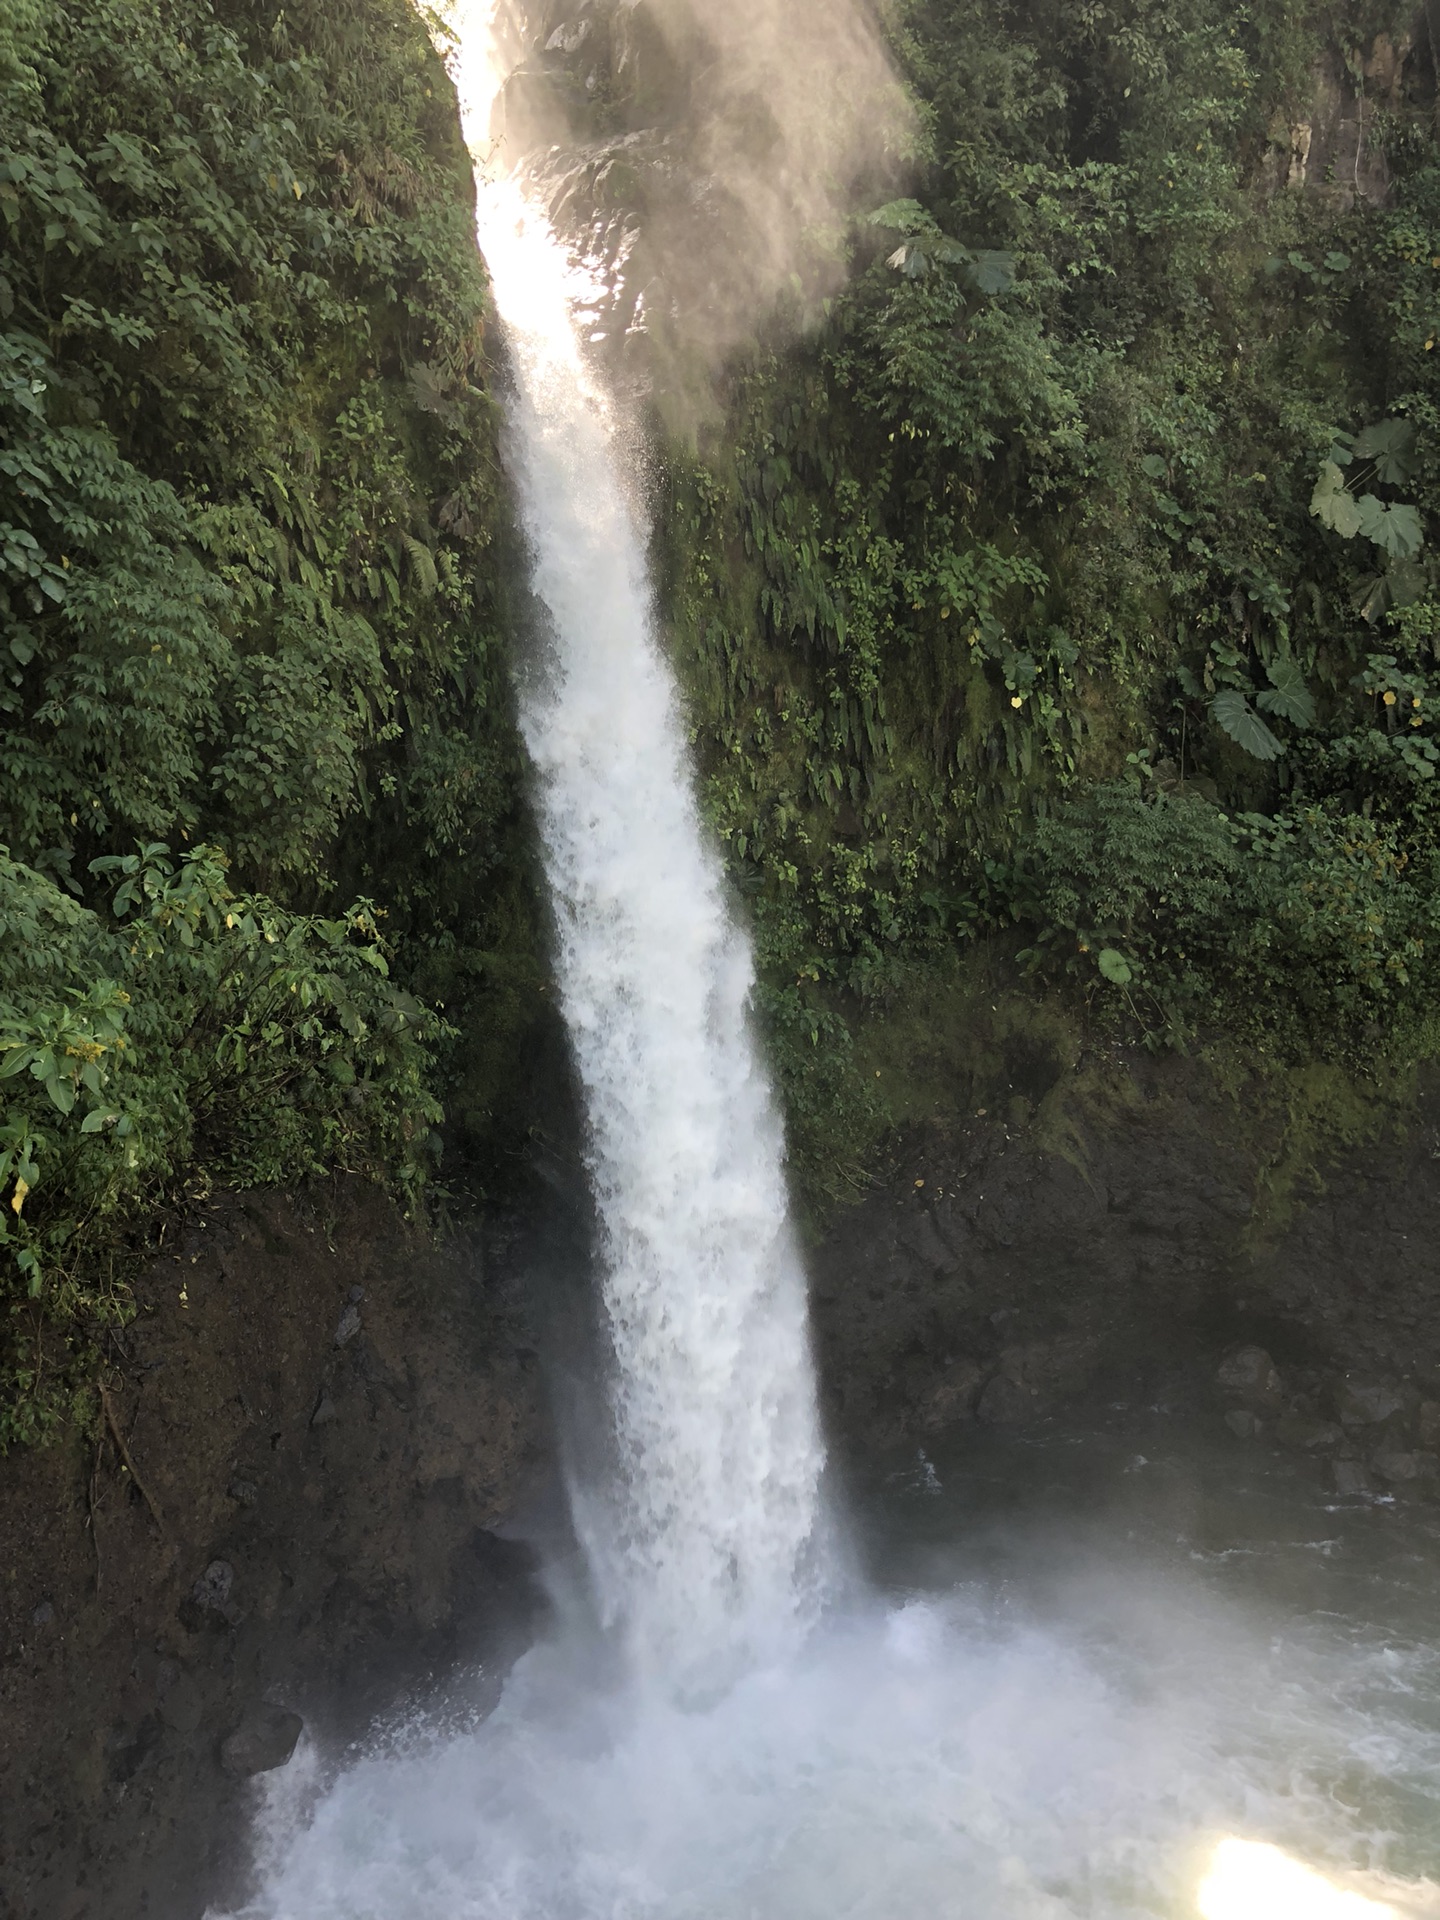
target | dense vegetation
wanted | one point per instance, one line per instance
(1071, 587)
(257, 771)
(1064, 593)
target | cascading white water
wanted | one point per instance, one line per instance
(701, 1544)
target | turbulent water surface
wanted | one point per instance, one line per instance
(1079, 1682)
(1091, 1659)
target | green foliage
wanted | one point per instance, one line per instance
(1393, 527)
(987, 271)
(1309, 935)
(181, 1033)
(250, 599)
(1233, 714)
(1154, 502)
(1129, 887)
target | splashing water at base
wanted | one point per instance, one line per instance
(1081, 1728)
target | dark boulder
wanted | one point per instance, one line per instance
(264, 1740)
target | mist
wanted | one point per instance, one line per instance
(705, 160)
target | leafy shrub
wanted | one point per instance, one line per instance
(1311, 934)
(181, 1033)
(1126, 888)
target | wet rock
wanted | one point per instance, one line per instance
(326, 1412)
(953, 1399)
(1005, 1402)
(1403, 1467)
(348, 1327)
(1250, 1374)
(1297, 1430)
(181, 1705)
(1427, 1426)
(244, 1491)
(264, 1740)
(1244, 1424)
(1349, 1476)
(1366, 1403)
(131, 1749)
(209, 1602)
(43, 1615)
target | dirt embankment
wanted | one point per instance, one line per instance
(989, 1278)
(287, 1516)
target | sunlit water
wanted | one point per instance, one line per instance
(1090, 1657)
(1077, 1685)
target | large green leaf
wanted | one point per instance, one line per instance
(913, 261)
(987, 272)
(1332, 505)
(1190, 684)
(1288, 694)
(902, 216)
(1234, 715)
(1396, 529)
(1390, 444)
(993, 270)
(1401, 585)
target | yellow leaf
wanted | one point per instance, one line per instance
(22, 1187)
(1389, 699)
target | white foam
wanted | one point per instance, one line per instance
(940, 1760)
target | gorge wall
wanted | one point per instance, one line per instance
(994, 1279)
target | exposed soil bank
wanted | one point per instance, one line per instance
(329, 1419)
(991, 1278)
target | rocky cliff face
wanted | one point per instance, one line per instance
(279, 1526)
(990, 1278)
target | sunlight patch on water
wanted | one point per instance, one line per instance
(1249, 1880)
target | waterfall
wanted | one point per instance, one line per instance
(1023, 1740)
(703, 1546)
